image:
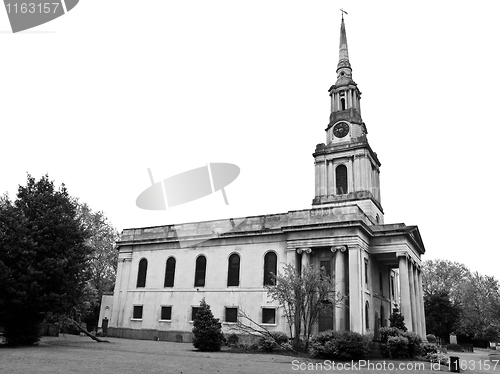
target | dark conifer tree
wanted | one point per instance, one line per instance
(207, 329)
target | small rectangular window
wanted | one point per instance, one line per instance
(137, 312)
(166, 313)
(231, 314)
(194, 312)
(269, 315)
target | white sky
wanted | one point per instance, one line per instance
(97, 96)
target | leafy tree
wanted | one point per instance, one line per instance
(42, 258)
(397, 320)
(441, 315)
(207, 330)
(444, 275)
(475, 296)
(303, 295)
(102, 262)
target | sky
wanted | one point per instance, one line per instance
(112, 88)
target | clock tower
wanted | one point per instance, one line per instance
(346, 168)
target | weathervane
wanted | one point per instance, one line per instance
(343, 11)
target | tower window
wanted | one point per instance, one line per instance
(141, 274)
(341, 179)
(342, 104)
(270, 267)
(233, 270)
(199, 275)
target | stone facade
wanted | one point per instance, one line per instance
(165, 271)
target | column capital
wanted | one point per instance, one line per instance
(305, 250)
(341, 248)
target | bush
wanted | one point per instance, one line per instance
(431, 338)
(428, 349)
(207, 330)
(438, 357)
(340, 345)
(269, 343)
(414, 344)
(233, 340)
(397, 346)
(386, 332)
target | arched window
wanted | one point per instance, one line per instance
(342, 104)
(201, 268)
(270, 266)
(233, 270)
(367, 315)
(170, 272)
(341, 179)
(141, 274)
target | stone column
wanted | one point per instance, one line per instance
(355, 289)
(305, 260)
(422, 310)
(316, 172)
(404, 283)
(340, 283)
(412, 297)
(417, 302)
(350, 176)
(121, 289)
(331, 186)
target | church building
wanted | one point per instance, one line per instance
(165, 271)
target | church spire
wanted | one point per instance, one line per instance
(344, 71)
(343, 52)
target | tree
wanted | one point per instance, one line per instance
(475, 297)
(397, 319)
(42, 258)
(303, 295)
(102, 263)
(441, 315)
(207, 330)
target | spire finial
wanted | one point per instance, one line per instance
(343, 11)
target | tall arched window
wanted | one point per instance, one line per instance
(367, 315)
(199, 274)
(342, 104)
(141, 274)
(233, 270)
(270, 266)
(341, 179)
(170, 273)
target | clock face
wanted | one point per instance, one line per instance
(341, 129)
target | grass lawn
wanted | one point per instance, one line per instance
(74, 355)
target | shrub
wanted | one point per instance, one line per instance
(414, 343)
(268, 343)
(233, 340)
(386, 332)
(207, 330)
(428, 349)
(431, 338)
(340, 345)
(438, 357)
(397, 346)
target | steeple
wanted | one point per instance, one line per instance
(344, 71)
(347, 170)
